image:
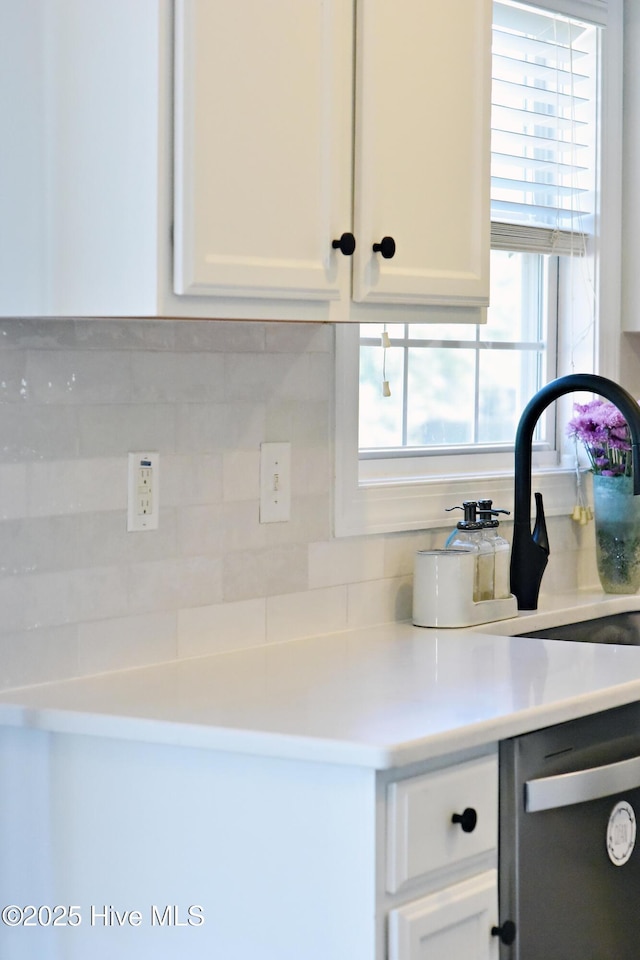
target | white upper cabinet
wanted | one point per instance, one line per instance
(422, 141)
(217, 158)
(263, 147)
(268, 120)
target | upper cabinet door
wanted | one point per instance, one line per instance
(263, 148)
(423, 76)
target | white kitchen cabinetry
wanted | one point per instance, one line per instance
(263, 147)
(422, 148)
(453, 923)
(288, 126)
(284, 859)
(442, 833)
(267, 119)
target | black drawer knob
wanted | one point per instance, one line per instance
(507, 932)
(467, 819)
(346, 244)
(386, 247)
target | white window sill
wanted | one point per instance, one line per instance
(365, 504)
(388, 506)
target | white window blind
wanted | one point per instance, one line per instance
(543, 121)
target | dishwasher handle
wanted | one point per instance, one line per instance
(547, 793)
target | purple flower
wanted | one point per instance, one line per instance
(602, 429)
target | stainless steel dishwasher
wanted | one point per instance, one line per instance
(569, 861)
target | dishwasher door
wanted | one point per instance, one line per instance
(569, 855)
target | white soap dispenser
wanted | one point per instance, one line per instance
(468, 535)
(500, 547)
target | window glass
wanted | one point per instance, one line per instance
(440, 397)
(456, 385)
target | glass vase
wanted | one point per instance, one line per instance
(617, 517)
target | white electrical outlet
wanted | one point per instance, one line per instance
(275, 482)
(144, 491)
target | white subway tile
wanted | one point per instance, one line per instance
(320, 377)
(44, 334)
(191, 479)
(561, 573)
(311, 469)
(75, 376)
(200, 530)
(221, 627)
(242, 527)
(38, 544)
(38, 432)
(15, 601)
(400, 551)
(379, 601)
(71, 596)
(244, 575)
(287, 567)
(38, 656)
(299, 337)
(346, 561)
(173, 584)
(203, 427)
(241, 475)
(107, 430)
(246, 423)
(76, 396)
(13, 383)
(305, 423)
(289, 375)
(310, 520)
(220, 337)
(281, 568)
(13, 484)
(75, 486)
(103, 538)
(306, 613)
(247, 376)
(124, 642)
(177, 377)
(124, 334)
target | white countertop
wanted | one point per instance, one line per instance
(378, 697)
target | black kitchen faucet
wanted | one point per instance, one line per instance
(530, 551)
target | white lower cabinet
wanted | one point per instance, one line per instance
(451, 924)
(422, 837)
(442, 838)
(170, 851)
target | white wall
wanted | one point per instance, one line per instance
(78, 594)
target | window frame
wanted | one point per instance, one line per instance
(400, 502)
(449, 461)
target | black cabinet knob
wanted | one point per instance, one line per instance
(386, 247)
(467, 819)
(346, 244)
(507, 932)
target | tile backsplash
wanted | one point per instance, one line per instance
(79, 594)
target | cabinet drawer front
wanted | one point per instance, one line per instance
(421, 836)
(455, 922)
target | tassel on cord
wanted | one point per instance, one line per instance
(386, 343)
(582, 512)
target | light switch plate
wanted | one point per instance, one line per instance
(275, 482)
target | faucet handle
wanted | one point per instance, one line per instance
(539, 535)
